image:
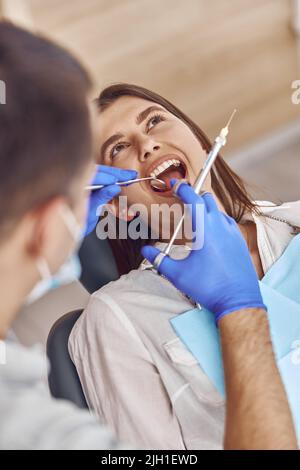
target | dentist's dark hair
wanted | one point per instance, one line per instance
(45, 128)
(226, 184)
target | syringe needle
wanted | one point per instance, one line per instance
(231, 117)
(224, 131)
(220, 141)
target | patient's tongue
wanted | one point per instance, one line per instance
(168, 175)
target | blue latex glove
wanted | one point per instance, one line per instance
(108, 176)
(220, 276)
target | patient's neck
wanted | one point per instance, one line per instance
(182, 239)
(249, 232)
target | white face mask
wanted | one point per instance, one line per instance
(69, 271)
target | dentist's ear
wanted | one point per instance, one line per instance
(45, 233)
(120, 211)
(40, 223)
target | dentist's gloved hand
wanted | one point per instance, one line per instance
(108, 176)
(220, 276)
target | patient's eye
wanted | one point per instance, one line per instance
(118, 148)
(153, 121)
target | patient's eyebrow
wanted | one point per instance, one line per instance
(142, 116)
(108, 142)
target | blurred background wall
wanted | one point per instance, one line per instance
(208, 57)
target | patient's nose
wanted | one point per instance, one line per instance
(148, 148)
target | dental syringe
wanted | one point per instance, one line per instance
(220, 141)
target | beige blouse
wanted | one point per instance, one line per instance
(137, 374)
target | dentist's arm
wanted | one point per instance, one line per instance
(258, 414)
(257, 411)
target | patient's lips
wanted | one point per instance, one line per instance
(166, 171)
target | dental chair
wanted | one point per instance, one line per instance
(96, 274)
(63, 379)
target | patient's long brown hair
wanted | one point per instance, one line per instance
(226, 184)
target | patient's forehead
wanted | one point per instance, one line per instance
(120, 116)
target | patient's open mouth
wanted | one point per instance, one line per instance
(166, 171)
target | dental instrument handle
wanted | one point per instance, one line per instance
(167, 249)
(220, 141)
(118, 183)
(197, 187)
(125, 183)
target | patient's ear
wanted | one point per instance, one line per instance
(120, 211)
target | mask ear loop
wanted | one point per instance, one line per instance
(43, 268)
(71, 223)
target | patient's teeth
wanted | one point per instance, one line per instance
(160, 168)
(163, 166)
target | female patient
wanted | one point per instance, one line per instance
(136, 373)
